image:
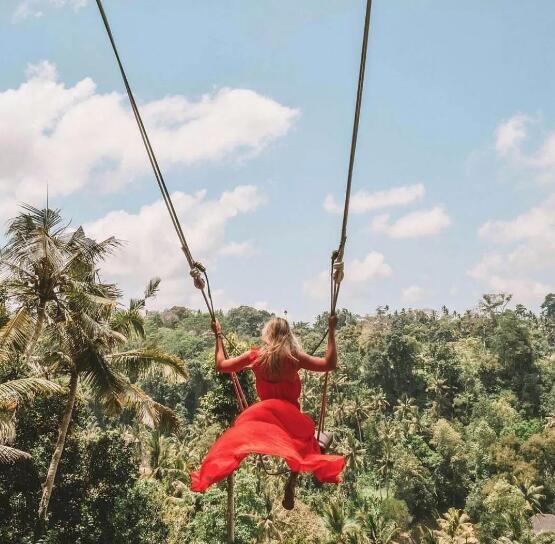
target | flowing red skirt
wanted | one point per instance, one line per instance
(269, 427)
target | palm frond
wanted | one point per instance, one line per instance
(106, 383)
(128, 322)
(151, 413)
(9, 455)
(144, 361)
(152, 288)
(7, 426)
(26, 388)
(15, 333)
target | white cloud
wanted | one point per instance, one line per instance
(74, 136)
(35, 8)
(538, 222)
(357, 272)
(238, 249)
(151, 247)
(414, 224)
(413, 294)
(364, 201)
(537, 162)
(511, 133)
(524, 251)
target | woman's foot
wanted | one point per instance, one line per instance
(288, 501)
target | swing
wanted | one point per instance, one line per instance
(198, 271)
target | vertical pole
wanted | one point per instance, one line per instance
(230, 515)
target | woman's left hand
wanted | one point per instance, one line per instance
(216, 327)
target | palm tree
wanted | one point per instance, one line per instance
(269, 528)
(388, 434)
(455, 528)
(407, 413)
(354, 453)
(379, 402)
(45, 265)
(375, 528)
(338, 524)
(12, 393)
(84, 348)
(51, 274)
(533, 494)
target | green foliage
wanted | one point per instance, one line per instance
(446, 421)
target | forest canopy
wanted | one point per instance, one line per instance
(446, 419)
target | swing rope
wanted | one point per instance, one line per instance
(196, 269)
(337, 265)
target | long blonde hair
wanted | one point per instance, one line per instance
(279, 343)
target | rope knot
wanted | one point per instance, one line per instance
(198, 281)
(338, 271)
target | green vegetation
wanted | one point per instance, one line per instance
(446, 420)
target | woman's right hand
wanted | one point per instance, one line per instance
(216, 327)
(332, 322)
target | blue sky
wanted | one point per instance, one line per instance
(250, 109)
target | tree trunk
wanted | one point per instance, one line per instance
(41, 315)
(55, 461)
(230, 515)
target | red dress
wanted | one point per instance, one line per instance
(274, 426)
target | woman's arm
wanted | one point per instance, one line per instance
(233, 364)
(329, 362)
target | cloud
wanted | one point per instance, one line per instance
(364, 201)
(35, 8)
(537, 160)
(237, 249)
(357, 273)
(523, 251)
(74, 136)
(412, 294)
(151, 247)
(510, 134)
(414, 224)
(538, 222)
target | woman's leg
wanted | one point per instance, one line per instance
(289, 492)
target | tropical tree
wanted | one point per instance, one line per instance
(533, 494)
(374, 527)
(12, 393)
(46, 267)
(13, 334)
(339, 525)
(52, 277)
(455, 528)
(84, 348)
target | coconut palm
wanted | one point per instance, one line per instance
(11, 394)
(354, 453)
(269, 528)
(14, 333)
(533, 494)
(407, 413)
(379, 402)
(52, 277)
(455, 528)
(339, 525)
(83, 348)
(45, 265)
(374, 527)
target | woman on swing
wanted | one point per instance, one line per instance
(275, 425)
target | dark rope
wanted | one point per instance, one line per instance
(197, 270)
(337, 256)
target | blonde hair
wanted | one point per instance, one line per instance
(279, 343)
